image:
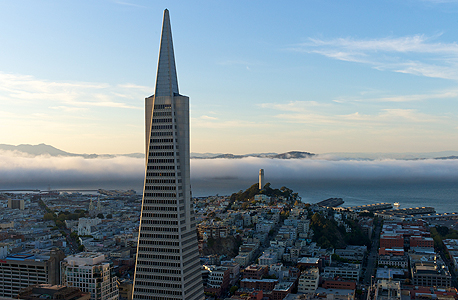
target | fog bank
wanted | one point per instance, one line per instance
(212, 175)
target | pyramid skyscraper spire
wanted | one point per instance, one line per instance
(167, 264)
(166, 79)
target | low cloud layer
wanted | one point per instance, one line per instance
(212, 175)
(18, 171)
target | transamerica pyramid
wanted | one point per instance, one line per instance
(167, 264)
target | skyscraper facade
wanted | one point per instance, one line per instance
(167, 265)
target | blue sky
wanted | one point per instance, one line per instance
(263, 76)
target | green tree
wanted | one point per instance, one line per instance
(442, 230)
(233, 289)
(109, 216)
(49, 216)
(100, 216)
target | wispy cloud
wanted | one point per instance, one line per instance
(129, 4)
(208, 118)
(215, 123)
(295, 106)
(27, 89)
(385, 117)
(418, 55)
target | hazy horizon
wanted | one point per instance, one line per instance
(19, 170)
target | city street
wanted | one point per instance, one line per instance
(372, 256)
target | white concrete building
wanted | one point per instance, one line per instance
(3, 251)
(268, 258)
(308, 281)
(348, 271)
(85, 225)
(90, 272)
(264, 226)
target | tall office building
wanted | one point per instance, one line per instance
(18, 271)
(168, 265)
(90, 272)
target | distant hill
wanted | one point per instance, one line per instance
(448, 157)
(287, 155)
(393, 155)
(43, 149)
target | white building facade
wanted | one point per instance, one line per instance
(92, 274)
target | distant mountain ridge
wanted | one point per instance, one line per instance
(43, 149)
(287, 155)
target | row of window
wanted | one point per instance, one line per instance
(158, 277)
(196, 265)
(188, 234)
(156, 291)
(194, 253)
(192, 288)
(160, 208)
(163, 140)
(188, 241)
(162, 160)
(161, 243)
(161, 188)
(162, 180)
(172, 154)
(159, 147)
(167, 229)
(161, 195)
(158, 236)
(154, 215)
(195, 295)
(162, 113)
(162, 167)
(156, 127)
(159, 222)
(157, 263)
(168, 120)
(189, 247)
(148, 297)
(162, 106)
(193, 275)
(159, 284)
(162, 133)
(161, 174)
(7, 265)
(174, 202)
(153, 270)
(155, 256)
(167, 250)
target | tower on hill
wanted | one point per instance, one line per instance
(261, 179)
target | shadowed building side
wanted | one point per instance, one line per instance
(168, 265)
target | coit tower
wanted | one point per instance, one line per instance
(261, 179)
